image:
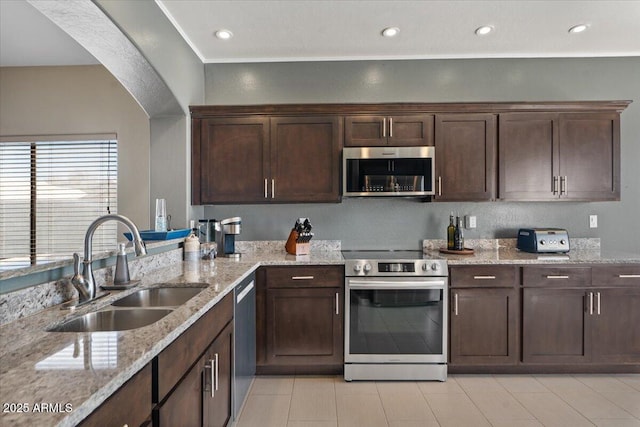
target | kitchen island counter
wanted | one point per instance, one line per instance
(74, 373)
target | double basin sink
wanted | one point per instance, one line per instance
(135, 310)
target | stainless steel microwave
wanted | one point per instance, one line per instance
(388, 171)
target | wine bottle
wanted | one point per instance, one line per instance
(450, 231)
(458, 237)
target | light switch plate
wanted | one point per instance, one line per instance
(593, 221)
(470, 221)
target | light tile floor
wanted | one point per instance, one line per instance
(461, 401)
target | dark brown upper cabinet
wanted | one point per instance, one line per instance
(262, 160)
(379, 130)
(465, 157)
(550, 156)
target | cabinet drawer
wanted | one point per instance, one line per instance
(177, 358)
(304, 276)
(616, 275)
(556, 276)
(482, 276)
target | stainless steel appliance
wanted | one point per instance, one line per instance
(244, 368)
(226, 237)
(543, 240)
(396, 316)
(388, 171)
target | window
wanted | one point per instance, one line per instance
(51, 189)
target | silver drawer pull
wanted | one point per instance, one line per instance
(217, 383)
(455, 304)
(484, 277)
(337, 303)
(629, 276)
(302, 278)
(598, 303)
(557, 277)
(590, 303)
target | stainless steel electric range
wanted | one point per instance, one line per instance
(395, 316)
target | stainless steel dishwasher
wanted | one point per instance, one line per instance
(244, 368)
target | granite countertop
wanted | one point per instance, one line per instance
(83, 369)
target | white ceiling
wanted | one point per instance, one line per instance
(317, 30)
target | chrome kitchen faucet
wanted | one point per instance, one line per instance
(84, 282)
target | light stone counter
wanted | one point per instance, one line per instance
(83, 369)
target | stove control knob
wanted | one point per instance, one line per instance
(435, 266)
(367, 268)
(563, 242)
(542, 242)
(357, 268)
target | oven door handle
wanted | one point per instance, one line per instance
(385, 284)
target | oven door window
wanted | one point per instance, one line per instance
(401, 322)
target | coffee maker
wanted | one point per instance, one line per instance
(226, 237)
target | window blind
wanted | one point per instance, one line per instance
(51, 190)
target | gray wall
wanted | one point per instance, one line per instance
(402, 223)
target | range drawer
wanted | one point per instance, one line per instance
(491, 276)
(617, 275)
(305, 276)
(556, 276)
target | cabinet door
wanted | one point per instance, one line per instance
(484, 326)
(305, 159)
(465, 157)
(616, 335)
(130, 405)
(410, 130)
(216, 393)
(555, 325)
(230, 160)
(527, 155)
(365, 131)
(304, 326)
(183, 407)
(590, 156)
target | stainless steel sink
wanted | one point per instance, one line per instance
(159, 297)
(112, 320)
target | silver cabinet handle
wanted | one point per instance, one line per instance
(590, 303)
(390, 127)
(439, 186)
(629, 276)
(302, 278)
(212, 368)
(455, 304)
(273, 188)
(384, 128)
(556, 276)
(337, 303)
(563, 185)
(598, 303)
(265, 188)
(217, 374)
(555, 185)
(484, 277)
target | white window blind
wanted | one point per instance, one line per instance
(51, 190)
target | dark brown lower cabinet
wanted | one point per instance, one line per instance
(484, 326)
(130, 405)
(299, 320)
(556, 326)
(616, 325)
(305, 326)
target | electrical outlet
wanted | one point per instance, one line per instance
(470, 221)
(593, 221)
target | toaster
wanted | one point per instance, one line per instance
(542, 240)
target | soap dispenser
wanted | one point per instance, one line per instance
(121, 276)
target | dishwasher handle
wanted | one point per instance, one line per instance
(245, 291)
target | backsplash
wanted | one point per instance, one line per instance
(25, 302)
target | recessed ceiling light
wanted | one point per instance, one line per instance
(224, 34)
(484, 30)
(390, 31)
(578, 28)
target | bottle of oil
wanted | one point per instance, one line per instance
(458, 237)
(450, 233)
